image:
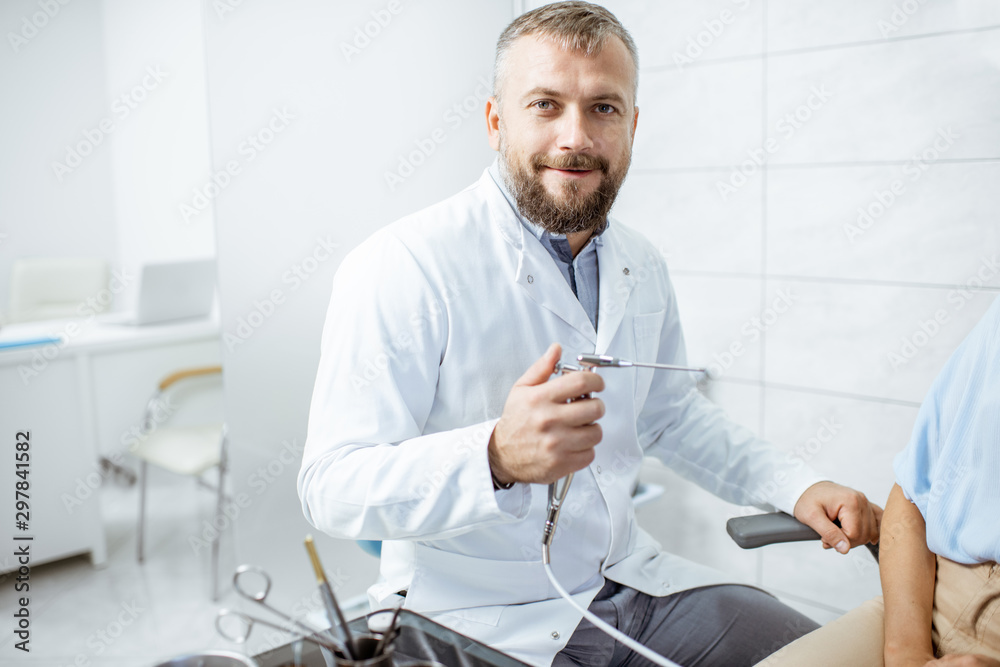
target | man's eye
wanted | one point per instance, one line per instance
(605, 108)
(543, 105)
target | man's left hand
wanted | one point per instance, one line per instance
(825, 501)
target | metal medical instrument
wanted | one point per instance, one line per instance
(259, 596)
(389, 634)
(557, 495)
(592, 361)
(333, 611)
(559, 489)
(249, 621)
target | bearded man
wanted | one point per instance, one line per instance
(435, 422)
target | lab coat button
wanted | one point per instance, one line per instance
(531, 279)
(555, 635)
(598, 470)
(625, 270)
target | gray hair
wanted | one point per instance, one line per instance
(574, 26)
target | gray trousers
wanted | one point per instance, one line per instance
(725, 625)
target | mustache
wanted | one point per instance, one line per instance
(571, 161)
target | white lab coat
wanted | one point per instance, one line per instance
(431, 321)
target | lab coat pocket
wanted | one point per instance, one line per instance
(444, 581)
(464, 620)
(646, 330)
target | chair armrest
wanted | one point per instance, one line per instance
(759, 530)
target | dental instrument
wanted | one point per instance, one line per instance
(559, 489)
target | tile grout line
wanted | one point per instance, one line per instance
(813, 165)
(832, 280)
(762, 373)
(822, 392)
(818, 49)
(762, 355)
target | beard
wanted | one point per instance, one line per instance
(572, 211)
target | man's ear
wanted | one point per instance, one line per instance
(635, 122)
(493, 122)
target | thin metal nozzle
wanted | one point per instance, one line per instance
(604, 361)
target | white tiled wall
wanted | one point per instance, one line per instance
(869, 229)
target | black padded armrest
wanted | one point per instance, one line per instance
(759, 530)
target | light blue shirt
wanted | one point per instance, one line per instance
(580, 272)
(951, 468)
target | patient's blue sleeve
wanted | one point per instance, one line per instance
(951, 467)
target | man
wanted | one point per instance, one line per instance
(427, 432)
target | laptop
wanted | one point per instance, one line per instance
(171, 291)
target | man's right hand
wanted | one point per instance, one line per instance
(541, 436)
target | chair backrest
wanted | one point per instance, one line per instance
(51, 288)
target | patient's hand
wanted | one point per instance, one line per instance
(970, 660)
(823, 502)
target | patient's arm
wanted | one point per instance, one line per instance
(907, 568)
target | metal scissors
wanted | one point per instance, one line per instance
(259, 595)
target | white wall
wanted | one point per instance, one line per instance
(105, 134)
(55, 90)
(891, 82)
(160, 148)
(330, 126)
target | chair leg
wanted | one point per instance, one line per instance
(221, 494)
(142, 509)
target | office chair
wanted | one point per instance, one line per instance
(54, 288)
(184, 450)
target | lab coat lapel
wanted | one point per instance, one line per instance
(537, 274)
(617, 278)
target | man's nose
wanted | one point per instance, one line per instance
(574, 131)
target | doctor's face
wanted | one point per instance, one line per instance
(564, 131)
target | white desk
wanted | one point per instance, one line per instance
(79, 398)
